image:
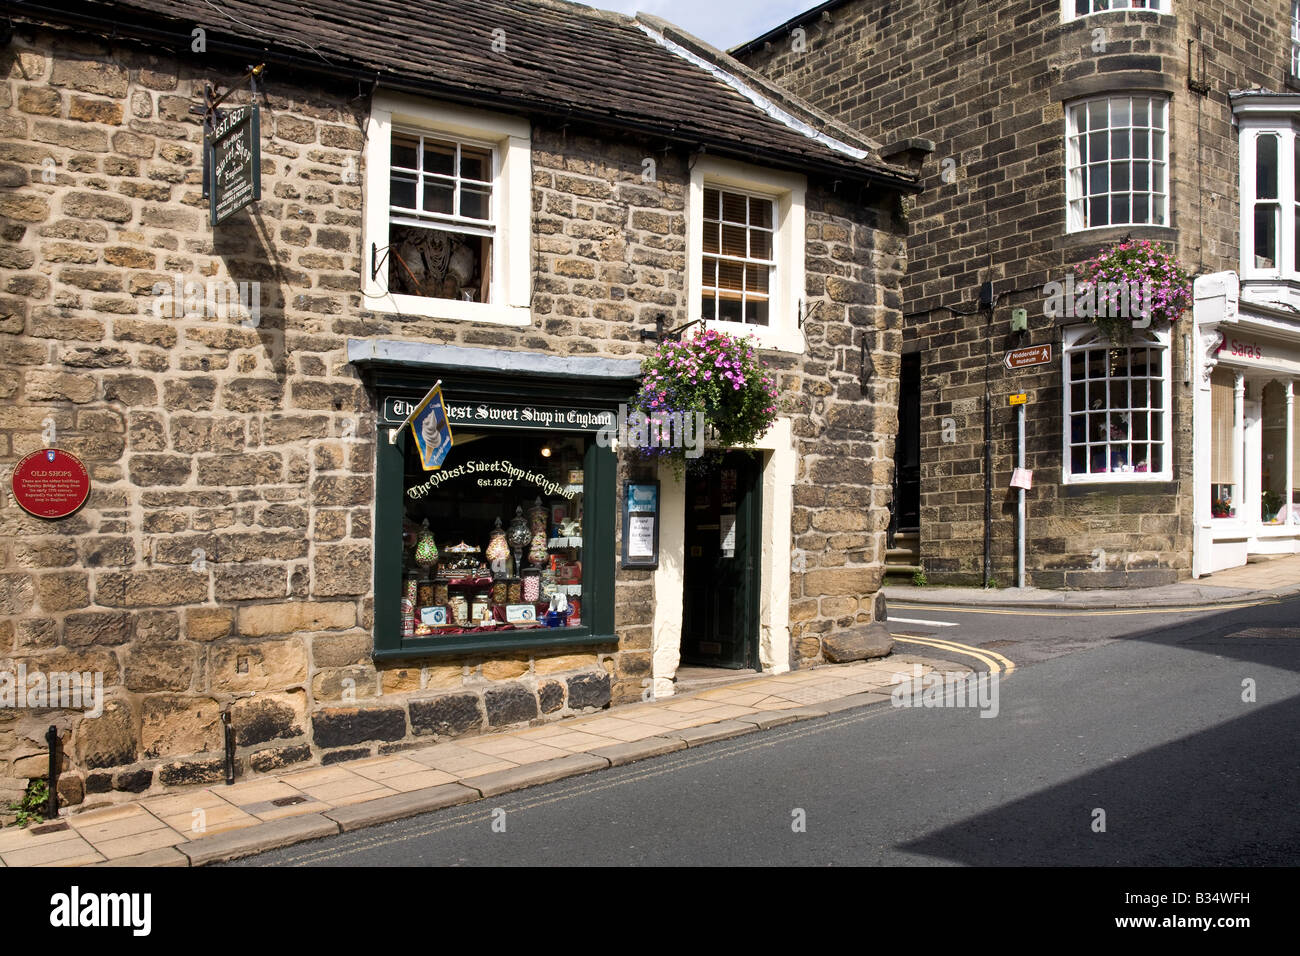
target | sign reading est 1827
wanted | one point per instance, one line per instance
(232, 165)
(50, 483)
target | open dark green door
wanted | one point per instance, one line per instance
(723, 550)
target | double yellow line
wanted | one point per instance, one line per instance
(996, 663)
(1074, 612)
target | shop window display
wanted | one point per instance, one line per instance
(494, 540)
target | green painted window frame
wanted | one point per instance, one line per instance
(600, 467)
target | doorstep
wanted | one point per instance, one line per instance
(213, 824)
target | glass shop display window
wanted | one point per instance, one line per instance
(493, 540)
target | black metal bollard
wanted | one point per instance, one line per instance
(230, 747)
(52, 799)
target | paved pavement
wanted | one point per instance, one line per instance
(196, 826)
(1269, 578)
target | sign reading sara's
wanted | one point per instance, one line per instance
(232, 164)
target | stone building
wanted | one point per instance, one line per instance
(1046, 131)
(510, 198)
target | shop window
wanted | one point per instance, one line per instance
(1223, 446)
(1273, 458)
(1117, 162)
(1073, 9)
(509, 544)
(494, 540)
(1116, 408)
(746, 270)
(1293, 496)
(447, 212)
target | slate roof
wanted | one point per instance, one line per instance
(560, 60)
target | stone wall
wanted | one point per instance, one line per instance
(225, 557)
(987, 82)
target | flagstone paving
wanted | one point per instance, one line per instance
(117, 833)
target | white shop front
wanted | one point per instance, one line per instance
(1247, 431)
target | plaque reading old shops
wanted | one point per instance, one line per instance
(233, 165)
(50, 483)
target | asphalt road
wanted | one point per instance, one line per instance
(1120, 739)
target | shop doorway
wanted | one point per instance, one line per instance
(723, 558)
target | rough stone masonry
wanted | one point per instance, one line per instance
(225, 557)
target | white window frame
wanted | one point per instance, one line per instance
(1288, 202)
(1069, 13)
(1295, 37)
(510, 139)
(786, 288)
(1079, 337)
(1074, 220)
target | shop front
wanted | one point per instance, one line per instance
(509, 543)
(537, 534)
(1247, 434)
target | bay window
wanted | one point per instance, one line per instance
(1270, 191)
(1295, 37)
(1117, 160)
(1073, 9)
(1116, 407)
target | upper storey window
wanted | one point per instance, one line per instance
(1073, 9)
(1117, 160)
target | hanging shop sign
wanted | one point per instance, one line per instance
(563, 418)
(641, 524)
(232, 162)
(50, 483)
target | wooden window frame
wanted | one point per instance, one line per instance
(600, 514)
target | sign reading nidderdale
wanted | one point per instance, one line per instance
(1024, 358)
(506, 415)
(233, 162)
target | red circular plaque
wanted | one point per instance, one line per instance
(50, 483)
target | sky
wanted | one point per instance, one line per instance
(723, 23)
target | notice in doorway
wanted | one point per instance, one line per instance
(641, 525)
(640, 536)
(728, 536)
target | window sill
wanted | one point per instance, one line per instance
(765, 336)
(416, 306)
(1085, 242)
(493, 642)
(1160, 483)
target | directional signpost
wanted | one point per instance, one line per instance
(1014, 361)
(1017, 359)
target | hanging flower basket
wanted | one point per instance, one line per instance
(720, 377)
(1134, 284)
